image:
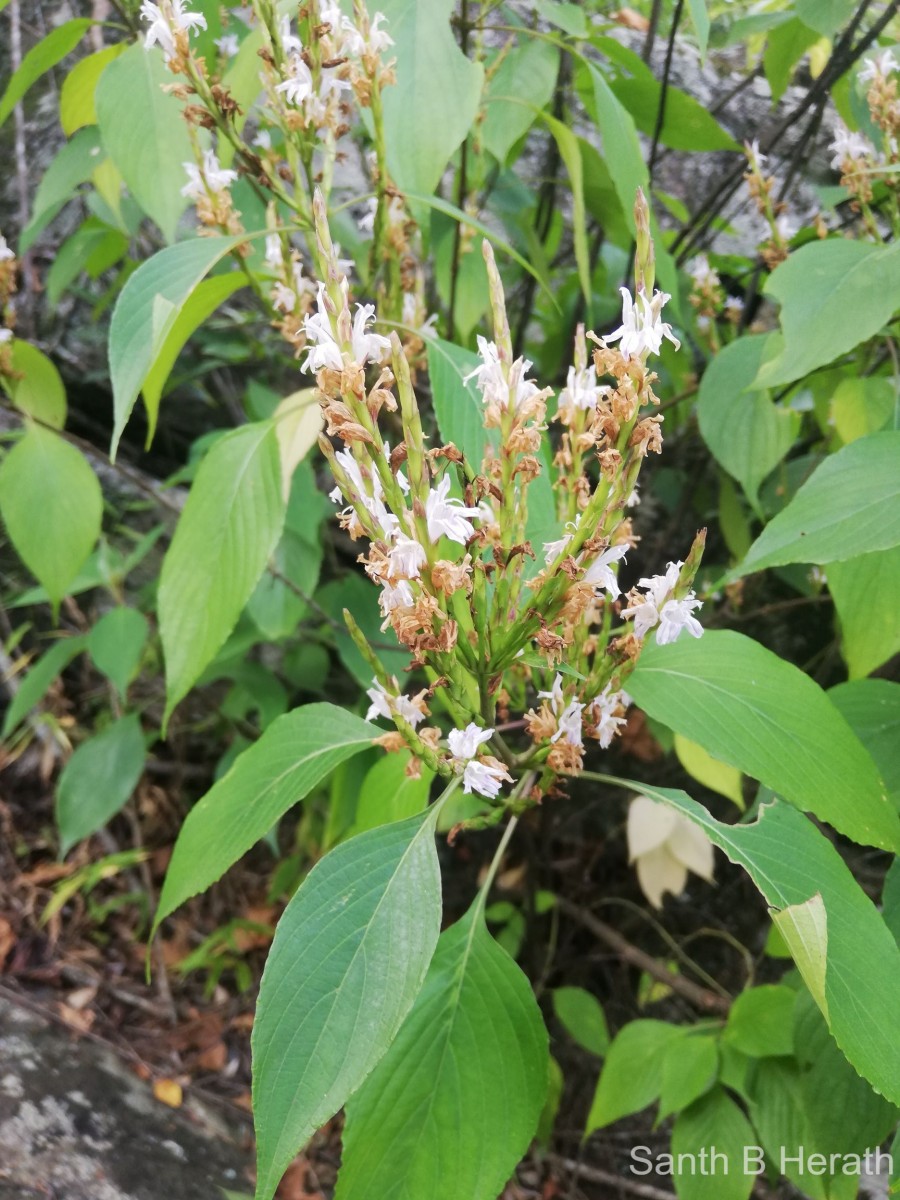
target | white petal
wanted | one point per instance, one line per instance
(659, 872)
(649, 826)
(693, 849)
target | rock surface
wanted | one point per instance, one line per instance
(76, 1124)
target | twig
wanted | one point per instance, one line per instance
(652, 26)
(700, 997)
(664, 89)
(15, 61)
(595, 1175)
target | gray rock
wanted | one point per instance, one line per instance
(75, 1124)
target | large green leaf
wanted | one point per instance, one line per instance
(745, 431)
(40, 58)
(98, 779)
(690, 1067)
(430, 109)
(700, 17)
(199, 304)
(76, 96)
(37, 387)
(865, 591)
(716, 1127)
(849, 506)
(871, 707)
(792, 863)
(632, 1074)
(521, 85)
(51, 504)
(763, 715)
(452, 1106)
(389, 794)
(570, 153)
(349, 957)
(833, 295)
(458, 406)
(144, 133)
(230, 525)
(147, 312)
(825, 16)
(296, 752)
(75, 162)
(35, 685)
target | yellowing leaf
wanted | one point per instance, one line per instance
(298, 422)
(804, 928)
(168, 1091)
(711, 772)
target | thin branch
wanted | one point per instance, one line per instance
(664, 89)
(622, 1182)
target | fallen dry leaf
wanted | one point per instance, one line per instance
(168, 1091)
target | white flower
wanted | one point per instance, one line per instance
(569, 725)
(555, 695)
(496, 387)
(395, 595)
(702, 273)
(601, 575)
(357, 45)
(552, 550)
(757, 159)
(290, 43)
(582, 389)
(785, 227)
(848, 144)
(604, 707)
(878, 66)
(5, 253)
(274, 253)
(228, 45)
(209, 176)
(167, 20)
(671, 615)
(6, 335)
(299, 84)
(665, 845)
(384, 704)
(369, 493)
(366, 223)
(634, 499)
(283, 298)
(484, 778)
(464, 743)
(367, 347)
(324, 350)
(406, 557)
(642, 329)
(263, 139)
(734, 306)
(447, 516)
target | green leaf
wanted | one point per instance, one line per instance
(570, 153)
(389, 794)
(890, 899)
(862, 406)
(764, 716)
(295, 753)
(745, 431)
(144, 133)
(147, 311)
(581, 1016)
(431, 108)
(871, 707)
(522, 84)
(700, 17)
(76, 97)
(785, 46)
(632, 1074)
(690, 1068)
(621, 147)
(453, 1105)
(761, 1021)
(230, 525)
(116, 644)
(348, 959)
(75, 162)
(865, 592)
(51, 504)
(40, 677)
(803, 930)
(458, 406)
(833, 294)
(199, 304)
(40, 391)
(40, 58)
(848, 507)
(825, 16)
(709, 771)
(790, 862)
(716, 1127)
(98, 779)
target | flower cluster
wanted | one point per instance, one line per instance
(451, 536)
(761, 186)
(8, 269)
(861, 163)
